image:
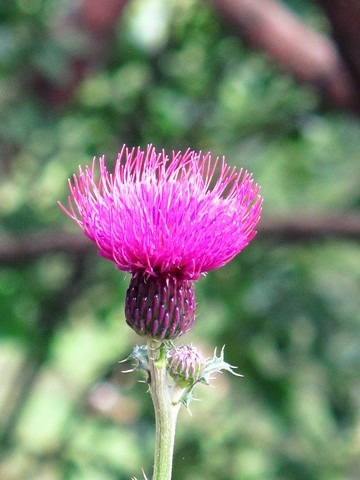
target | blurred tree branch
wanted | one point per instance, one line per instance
(301, 229)
(19, 249)
(306, 54)
(14, 250)
(344, 16)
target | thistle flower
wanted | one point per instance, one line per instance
(166, 220)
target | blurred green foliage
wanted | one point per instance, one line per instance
(175, 75)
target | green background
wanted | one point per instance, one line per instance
(176, 75)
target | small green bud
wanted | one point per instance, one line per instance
(185, 365)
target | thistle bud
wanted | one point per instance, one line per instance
(161, 308)
(186, 365)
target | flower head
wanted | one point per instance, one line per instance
(166, 215)
(166, 220)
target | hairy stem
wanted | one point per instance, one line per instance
(166, 411)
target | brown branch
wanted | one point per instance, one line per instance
(306, 54)
(344, 16)
(312, 228)
(14, 250)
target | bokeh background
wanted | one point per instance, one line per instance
(274, 86)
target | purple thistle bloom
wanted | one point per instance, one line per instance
(164, 217)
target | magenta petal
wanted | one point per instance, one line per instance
(181, 215)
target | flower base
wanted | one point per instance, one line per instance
(161, 308)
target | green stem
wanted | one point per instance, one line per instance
(166, 411)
